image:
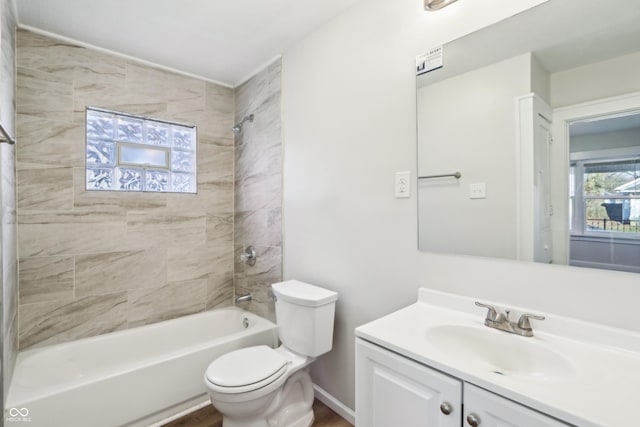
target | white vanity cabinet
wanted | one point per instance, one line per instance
(485, 409)
(393, 390)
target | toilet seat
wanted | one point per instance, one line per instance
(245, 370)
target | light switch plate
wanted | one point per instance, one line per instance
(478, 190)
(403, 185)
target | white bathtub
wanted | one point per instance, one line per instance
(132, 377)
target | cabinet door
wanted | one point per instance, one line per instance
(492, 410)
(392, 390)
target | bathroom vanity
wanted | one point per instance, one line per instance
(435, 363)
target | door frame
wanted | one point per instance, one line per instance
(529, 109)
(562, 118)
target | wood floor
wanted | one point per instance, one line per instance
(209, 417)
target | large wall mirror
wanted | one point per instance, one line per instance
(540, 116)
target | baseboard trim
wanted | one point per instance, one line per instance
(338, 407)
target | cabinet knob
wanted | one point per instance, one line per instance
(473, 420)
(446, 408)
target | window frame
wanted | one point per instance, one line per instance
(165, 150)
(577, 197)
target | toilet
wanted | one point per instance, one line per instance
(264, 387)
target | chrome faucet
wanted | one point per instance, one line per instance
(243, 298)
(501, 321)
(249, 255)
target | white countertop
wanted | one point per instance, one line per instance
(599, 386)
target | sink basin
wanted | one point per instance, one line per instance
(499, 352)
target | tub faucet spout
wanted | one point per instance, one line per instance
(243, 298)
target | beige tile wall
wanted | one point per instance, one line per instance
(8, 257)
(95, 262)
(258, 188)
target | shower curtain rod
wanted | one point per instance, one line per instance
(5, 137)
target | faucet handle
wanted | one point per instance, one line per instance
(492, 314)
(523, 322)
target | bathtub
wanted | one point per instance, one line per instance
(133, 377)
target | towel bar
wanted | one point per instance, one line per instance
(456, 175)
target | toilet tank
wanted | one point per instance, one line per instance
(304, 314)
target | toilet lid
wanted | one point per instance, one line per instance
(246, 366)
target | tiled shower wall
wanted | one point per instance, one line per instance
(258, 188)
(95, 262)
(9, 275)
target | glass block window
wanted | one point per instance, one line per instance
(131, 153)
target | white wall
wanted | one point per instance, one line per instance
(604, 79)
(540, 80)
(466, 123)
(349, 125)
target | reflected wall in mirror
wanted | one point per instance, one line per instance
(490, 113)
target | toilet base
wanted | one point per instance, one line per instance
(292, 407)
(240, 423)
(304, 421)
(288, 406)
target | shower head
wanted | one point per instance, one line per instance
(238, 126)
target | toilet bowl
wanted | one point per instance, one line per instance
(264, 387)
(249, 385)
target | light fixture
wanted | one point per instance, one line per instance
(432, 5)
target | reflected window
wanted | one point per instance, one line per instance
(132, 153)
(605, 196)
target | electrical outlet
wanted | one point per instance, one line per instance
(478, 190)
(403, 184)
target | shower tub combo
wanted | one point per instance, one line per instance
(130, 378)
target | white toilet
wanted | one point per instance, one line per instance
(264, 387)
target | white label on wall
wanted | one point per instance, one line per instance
(430, 61)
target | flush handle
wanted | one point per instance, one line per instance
(446, 408)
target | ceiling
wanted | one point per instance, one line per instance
(225, 41)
